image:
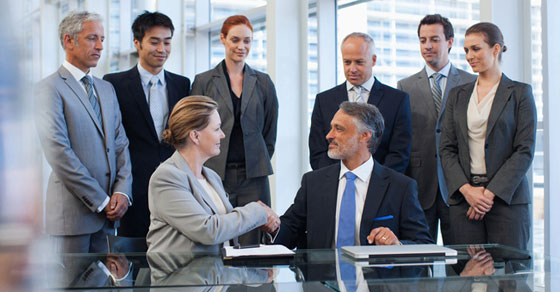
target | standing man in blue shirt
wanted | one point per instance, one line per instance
(147, 93)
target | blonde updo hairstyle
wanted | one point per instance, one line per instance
(189, 114)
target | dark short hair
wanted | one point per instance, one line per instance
(147, 20)
(438, 19)
(367, 118)
(492, 35)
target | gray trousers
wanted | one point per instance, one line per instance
(243, 190)
(84, 243)
(505, 224)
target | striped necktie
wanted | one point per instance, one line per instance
(88, 82)
(436, 91)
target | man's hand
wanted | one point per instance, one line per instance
(476, 199)
(118, 205)
(118, 265)
(273, 221)
(382, 236)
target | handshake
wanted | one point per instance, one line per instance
(273, 221)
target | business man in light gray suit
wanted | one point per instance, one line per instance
(428, 95)
(79, 126)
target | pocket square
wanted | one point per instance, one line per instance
(383, 218)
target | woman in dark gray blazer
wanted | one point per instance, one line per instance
(248, 107)
(487, 146)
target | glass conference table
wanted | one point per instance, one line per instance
(476, 268)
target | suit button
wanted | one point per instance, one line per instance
(435, 156)
(486, 146)
(107, 150)
(107, 174)
(438, 131)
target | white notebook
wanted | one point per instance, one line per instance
(409, 250)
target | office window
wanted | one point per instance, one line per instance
(393, 26)
(221, 9)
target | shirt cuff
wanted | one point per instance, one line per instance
(103, 205)
(270, 237)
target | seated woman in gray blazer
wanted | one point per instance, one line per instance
(190, 210)
(249, 112)
(487, 146)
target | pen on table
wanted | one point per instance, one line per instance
(246, 246)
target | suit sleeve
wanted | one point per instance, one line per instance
(398, 154)
(294, 221)
(270, 116)
(449, 148)
(413, 227)
(53, 135)
(197, 87)
(176, 205)
(123, 181)
(507, 178)
(318, 144)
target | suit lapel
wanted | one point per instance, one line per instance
(426, 92)
(453, 79)
(376, 192)
(104, 104)
(196, 187)
(222, 87)
(329, 191)
(503, 93)
(249, 80)
(172, 93)
(137, 93)
(375, 94)
(462, 108)
(81, 94)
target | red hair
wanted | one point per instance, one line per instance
(235, 20)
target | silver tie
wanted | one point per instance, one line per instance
(88, 82)
(436, 91)
(155, 106)
(358, 90)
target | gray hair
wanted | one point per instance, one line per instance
(367, 118)
(366, 37)
(73, 23)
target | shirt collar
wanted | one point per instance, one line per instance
(366, 85)
(444, 71)
(75, 71)
(362, 172)
(146, 76)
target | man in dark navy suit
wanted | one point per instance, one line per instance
(146, 95)
(358, 58)
(356, 201)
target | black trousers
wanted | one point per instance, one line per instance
(243, 190)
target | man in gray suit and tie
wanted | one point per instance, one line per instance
(79, 126)
(428, 90)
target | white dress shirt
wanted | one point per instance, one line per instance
(364, 91)
(477, 123)
(161, 87)
(363, 173)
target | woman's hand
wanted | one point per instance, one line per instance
(476, 198)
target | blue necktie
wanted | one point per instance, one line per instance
(347, 215)
(88, 82)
